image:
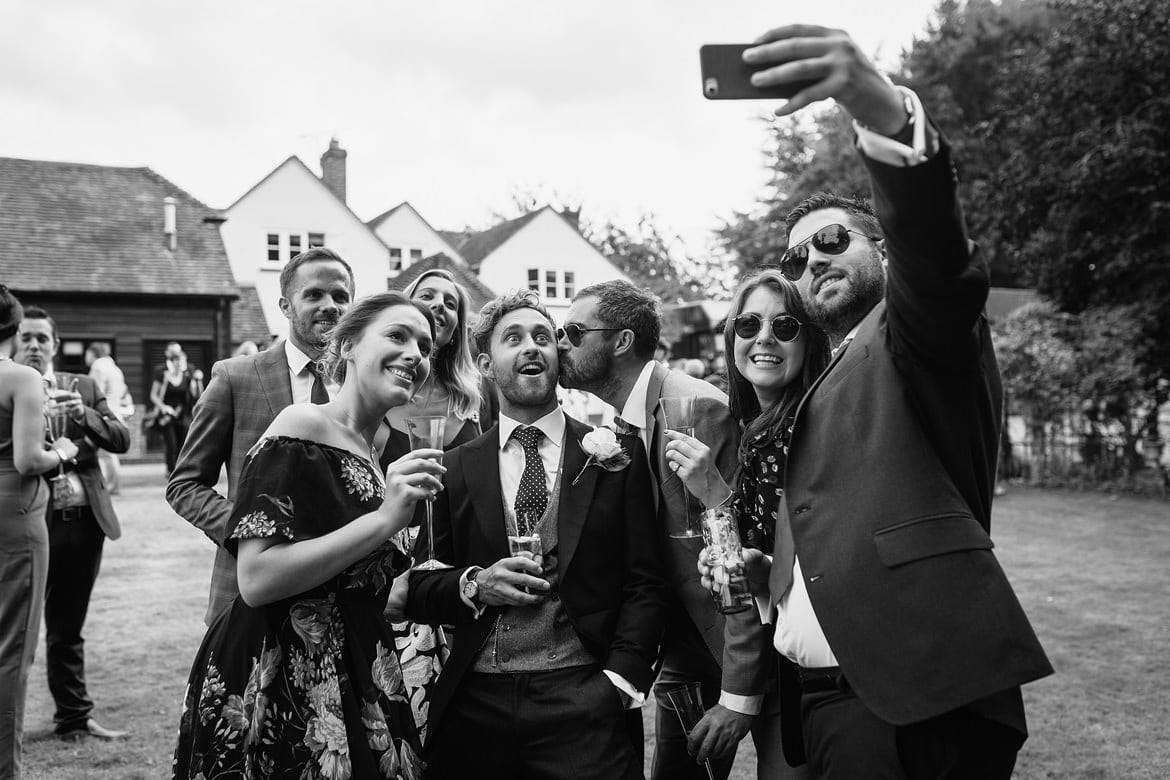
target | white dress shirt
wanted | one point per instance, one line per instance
(301, 378)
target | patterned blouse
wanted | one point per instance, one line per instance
(761, 487)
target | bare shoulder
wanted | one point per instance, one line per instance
(300, 421)
(21, 379)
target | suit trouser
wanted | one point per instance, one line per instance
(75, 556)
(686, 658)
(565, 723)
(24, 565)
(845, 740)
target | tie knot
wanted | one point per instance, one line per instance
(623, 427)
(528, 436)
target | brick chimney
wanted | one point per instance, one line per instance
(170, 230)
(333, 169)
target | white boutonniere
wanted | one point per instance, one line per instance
(603, 449)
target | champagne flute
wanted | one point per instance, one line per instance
(679, 412)
(524, 537)
(427, 432)
(688, 705)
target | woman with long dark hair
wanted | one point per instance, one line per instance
(24, 537)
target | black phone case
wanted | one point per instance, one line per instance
(727, 77)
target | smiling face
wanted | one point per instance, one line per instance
(522, 360)
(838, 290)
(318, 295)
(391, 357)
(766, 362)
(442, 298)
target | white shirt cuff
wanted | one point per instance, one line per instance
(635, 698)
(886, 150)
(764, 604)
(477, 609)
(744, 705)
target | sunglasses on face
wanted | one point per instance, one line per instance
(829, 240)
(575, 333)
(784, 327)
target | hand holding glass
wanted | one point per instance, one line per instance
(687, 701)
(524, 538)
(679, 413)
(427, 432)
(725, 559)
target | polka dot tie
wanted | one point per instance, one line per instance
(532, 496)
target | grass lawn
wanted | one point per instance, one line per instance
(1092, 571)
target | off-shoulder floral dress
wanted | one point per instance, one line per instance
(308, 686)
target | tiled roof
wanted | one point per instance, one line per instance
(479, 292)
(474, 246)
(73, 227)
(248, 321)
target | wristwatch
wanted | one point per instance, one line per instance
(471, 587)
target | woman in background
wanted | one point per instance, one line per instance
(455, 390)
(173, 393)
(24, 536)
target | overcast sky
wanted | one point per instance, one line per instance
(452, 105)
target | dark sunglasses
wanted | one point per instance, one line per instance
(575, 333)
(830, 240)
(784, 328)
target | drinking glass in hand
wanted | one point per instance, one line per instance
(725, 557)
(427, 432)
(679, 413)
(687, 701)
(524, 538)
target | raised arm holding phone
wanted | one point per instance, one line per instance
(907, 641)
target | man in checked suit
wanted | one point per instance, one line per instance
(607, 347)
(909, 643)
(544, 682)
(80, 518)
(245, 395)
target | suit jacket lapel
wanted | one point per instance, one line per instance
(575, 499)
(272, 373)
(654, 449)
(481, 473)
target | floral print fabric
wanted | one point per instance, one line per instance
(761, 488)
(309, 686)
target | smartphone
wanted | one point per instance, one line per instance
(727, 77)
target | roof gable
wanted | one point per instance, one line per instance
(100, 229)
(443, 235)
(479, 292)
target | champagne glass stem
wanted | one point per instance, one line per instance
(430, 532)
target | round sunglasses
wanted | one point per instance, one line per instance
(785, 327)
(829, 240)
(575, 333)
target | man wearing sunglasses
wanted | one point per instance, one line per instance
(607, 347)
(908, 641)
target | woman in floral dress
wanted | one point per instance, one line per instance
(299, 678)
(773, 357)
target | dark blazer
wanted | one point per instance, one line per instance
(891, 470)
(242, 399)
(609, 574)
(99, 429)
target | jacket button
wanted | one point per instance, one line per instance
(507, 628)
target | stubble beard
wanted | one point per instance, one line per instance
(593, 376)
(839, 314)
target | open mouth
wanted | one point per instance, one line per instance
(531, 369)
(828, 280)
(403, 374)
(766, 360)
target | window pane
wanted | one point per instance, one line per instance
(570, 284)
(316, 239)
(534, 279)
(294, 246)
(550, 284)
(416, 254)
(274, 247)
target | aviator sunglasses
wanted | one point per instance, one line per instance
(575, 333)
(830, 240)
(784, 327)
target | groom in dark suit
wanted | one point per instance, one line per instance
(244, 396)
(550, 658)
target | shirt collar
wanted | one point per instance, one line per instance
(297, 360)
(634, 412)
(552, 425)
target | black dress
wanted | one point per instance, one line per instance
(422, 649)
(308, 686)
(761, 487)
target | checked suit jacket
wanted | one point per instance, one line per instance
(242, 399)
(610, 581)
